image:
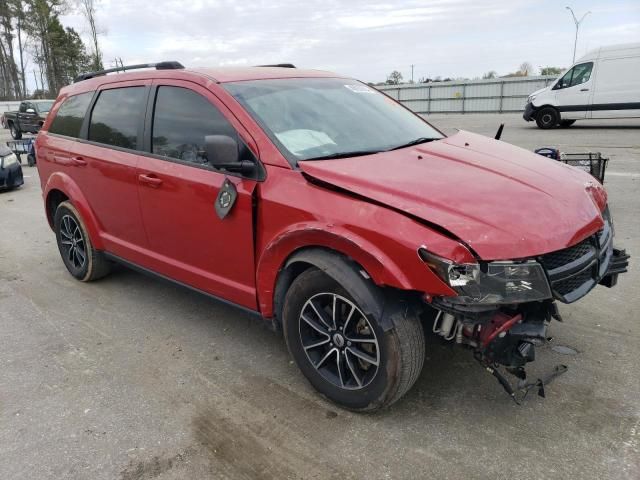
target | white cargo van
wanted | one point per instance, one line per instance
(605, 83)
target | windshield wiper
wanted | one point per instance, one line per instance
(416, 141)
(331, 156)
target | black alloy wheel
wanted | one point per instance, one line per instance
(72, 243)
(82, 260)
(339, 341)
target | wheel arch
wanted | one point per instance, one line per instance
(373, 299)
(60, 187)
(546, 105)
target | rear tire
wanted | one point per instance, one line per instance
(566, 123)
(82, 260)
(547, 118)
(16, 134)
(344, 353)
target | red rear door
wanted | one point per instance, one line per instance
(106, 164)
(178, 191)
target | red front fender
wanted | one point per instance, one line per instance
(382, 269)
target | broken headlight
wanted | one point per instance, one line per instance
(492, 282)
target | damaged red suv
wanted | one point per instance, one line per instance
(329, 210)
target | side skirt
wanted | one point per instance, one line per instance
(133, 266)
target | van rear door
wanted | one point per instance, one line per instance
(574, 92)
(617, 89)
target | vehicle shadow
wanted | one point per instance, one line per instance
(450, 373)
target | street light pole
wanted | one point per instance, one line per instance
(577, 22)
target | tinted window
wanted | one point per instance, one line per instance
(181, 120)
(116, 116)
(70, 115)
(576, 76)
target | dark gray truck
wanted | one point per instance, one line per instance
(28, 118)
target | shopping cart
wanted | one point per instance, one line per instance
(24, 147)
(591, 162)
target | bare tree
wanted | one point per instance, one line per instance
(526, 69)
(88, 8)
(20, 15)
(12, 86)
(490, 74)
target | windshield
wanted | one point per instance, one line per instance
(318, 118)
(44, 107)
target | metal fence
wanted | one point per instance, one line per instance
(8, 105)
(474, 96)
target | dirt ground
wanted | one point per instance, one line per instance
(132, 378)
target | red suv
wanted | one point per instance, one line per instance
(328, 209)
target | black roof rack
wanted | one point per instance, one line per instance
(280, 65)
(172, 65)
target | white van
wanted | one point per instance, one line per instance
(605, 83)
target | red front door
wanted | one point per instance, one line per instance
(178, 190)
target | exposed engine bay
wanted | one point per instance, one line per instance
(502, 339)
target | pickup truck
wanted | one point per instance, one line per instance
(29, 117)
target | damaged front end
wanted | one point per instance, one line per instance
(501, 339)
(503, 308)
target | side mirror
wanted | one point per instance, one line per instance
(30, 110)
(223, 152)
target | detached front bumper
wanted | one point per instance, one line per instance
(529, 112)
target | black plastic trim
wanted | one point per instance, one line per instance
(167, 65)
(160, 276)
(599, 106)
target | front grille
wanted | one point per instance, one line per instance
(565, 287)
(575, 270)
(562, 257)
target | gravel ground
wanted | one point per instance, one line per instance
(132, 378)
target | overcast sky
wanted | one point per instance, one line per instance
(364, 39)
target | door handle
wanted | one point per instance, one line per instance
(150, 179)
(584, 89)
(78, 161)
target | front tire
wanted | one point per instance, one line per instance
(547, 118)
(16, 134)
(82, 260)
(345, 354)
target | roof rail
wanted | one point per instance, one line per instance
(279, 65)
(171, 65)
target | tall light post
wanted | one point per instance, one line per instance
(577, 22)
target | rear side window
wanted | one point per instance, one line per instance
(181, 120)
(70, 115)
(116, 116)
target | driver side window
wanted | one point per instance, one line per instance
(182, 119)
(576, 76)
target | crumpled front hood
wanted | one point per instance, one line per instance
(501, 200)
